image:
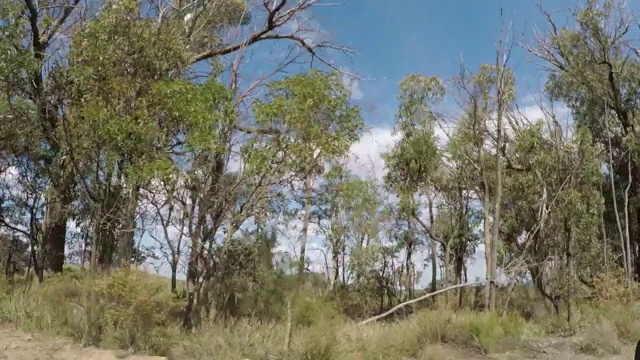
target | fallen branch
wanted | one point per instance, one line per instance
(426, 296)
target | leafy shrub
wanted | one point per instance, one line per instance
(134, 312)
(611, 289)
(121, 309)
(309, 309)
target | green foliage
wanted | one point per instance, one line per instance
(414, 160)
(313, 117)
(123, 309)
(130, 99)
(119, 110)
(311, 309)
(16, 63)
(134, 312)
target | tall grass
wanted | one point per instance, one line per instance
(127, 309)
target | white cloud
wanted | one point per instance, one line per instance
(534, 107)
(352, 84)
(535, 112)
(365, 158)
(305, 27)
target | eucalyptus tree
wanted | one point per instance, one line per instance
(348, 212)
(455, 222)
(593, 65)
(552, 211)
(479, 145)
(413, 163)
(49, 42)
(313, 121)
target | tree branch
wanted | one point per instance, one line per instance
(51, 30)
(399, 306)
(270, 25)
(426, 228)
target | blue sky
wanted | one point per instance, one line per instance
(395, 38)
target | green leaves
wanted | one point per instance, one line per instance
(129, 97)
(197, 111)
(415, 159)
(417, 95)
(313, 118)
(16, 63)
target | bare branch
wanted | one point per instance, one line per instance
(52, 29)
(421, 298)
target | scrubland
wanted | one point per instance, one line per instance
(134, 312)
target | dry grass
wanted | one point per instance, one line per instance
(131, 311)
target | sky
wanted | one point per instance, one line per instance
(392, 39)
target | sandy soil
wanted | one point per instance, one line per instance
(16, 345)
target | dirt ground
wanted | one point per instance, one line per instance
(540, 349)
(17, 345)
(561, 349)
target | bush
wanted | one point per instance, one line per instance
(611, 289)
(133, 312)
(309, 309)
(601, 340)
(121, 309)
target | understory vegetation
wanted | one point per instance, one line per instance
(132, 310)
(140, 134)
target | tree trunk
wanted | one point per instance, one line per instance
(556, 306)
(458, 270)
(305, 226)
(37, 266)
(495, 233)
(174, 277)
(409, 262)
(83, 256)
(572, 273)
(486, 228)
(448, 279)
(465, 272)
(336, 268)
(187, 319)
(487, 252)
(459, 291)
(8, 262)
(343, 263)
(193, 273)
(627, 226)
(434, 265)
(126, 243)
(627, 271)
(55, 227)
